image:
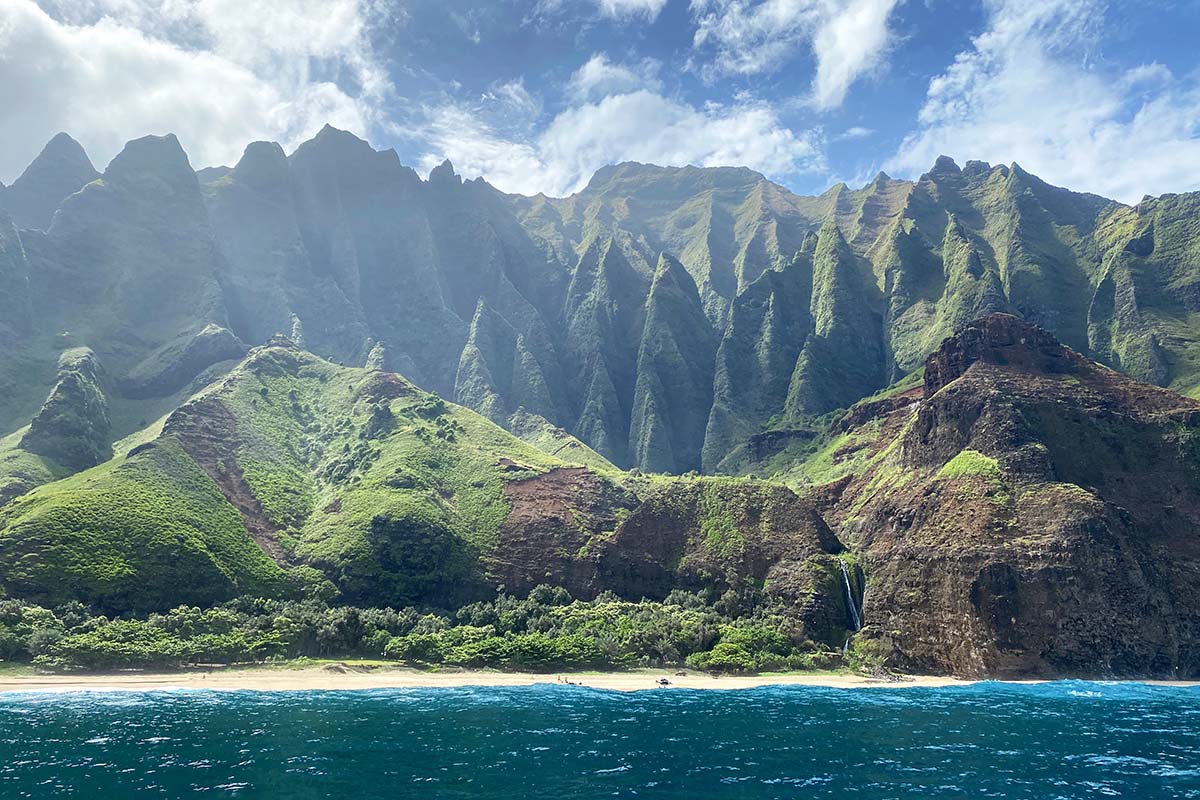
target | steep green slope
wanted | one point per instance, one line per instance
(73, 428)
(288, 460)
(145, 532)
(71, 432)
(768, 326)
(844, 358)
(673, 392)
(294, 475)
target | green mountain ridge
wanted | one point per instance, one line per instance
(546, 306)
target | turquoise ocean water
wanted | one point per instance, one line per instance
(1060, 740)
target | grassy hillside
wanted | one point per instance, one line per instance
(288, 461)
(293, 477)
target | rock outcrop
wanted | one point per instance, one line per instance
(73, 427)
(1033, 515)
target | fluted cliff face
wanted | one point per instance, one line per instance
(776, 307)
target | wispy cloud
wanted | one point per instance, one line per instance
(856, 132)
(848, 38)
(1026, 91)
(599, 77)
(624, 10)
(636, 126)
(650, 9)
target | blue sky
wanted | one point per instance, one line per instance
(534, 95)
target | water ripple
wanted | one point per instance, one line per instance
(1061, 740)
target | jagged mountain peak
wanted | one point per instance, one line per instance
(334, 143)
(975, 168)
(944, 165)
(336, 153)
(328, 133)
(63, 148)
(60, 169)
(159, 157)
(444, 175)
(262, 163)
(1001, 339)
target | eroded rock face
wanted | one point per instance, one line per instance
(207, 431)
(573, 528)
(550, 533)
(1037, 517)
(699, 534)
(1003, 340)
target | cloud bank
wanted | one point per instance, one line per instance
(638, 125)
(848, 38)
(218, 73)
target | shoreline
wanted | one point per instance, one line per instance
(346, 676)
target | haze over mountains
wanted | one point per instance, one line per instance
(660, 315)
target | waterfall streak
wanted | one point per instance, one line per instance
(855, 617)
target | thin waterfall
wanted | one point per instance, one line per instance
(851, 603)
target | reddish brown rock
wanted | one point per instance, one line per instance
(1037, 518)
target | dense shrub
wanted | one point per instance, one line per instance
(546, 630)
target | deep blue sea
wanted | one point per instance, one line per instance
(1060, 740)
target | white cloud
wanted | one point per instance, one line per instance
(599, 77)
(219, 73)
(848, 43)
(515, 99)
(650, 9)
(1026, 91)
(856, 132)
(620, 10)
(636, 126)
(849, 38)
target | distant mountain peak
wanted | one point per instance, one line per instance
(974, 167)
(63, 144)
(444, 174)
(331, 139)
(945, 165)
(161, 156)
(262, 162)
(329, 132)
(60, 169)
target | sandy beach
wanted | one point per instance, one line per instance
(350, 676)
(342, 676)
